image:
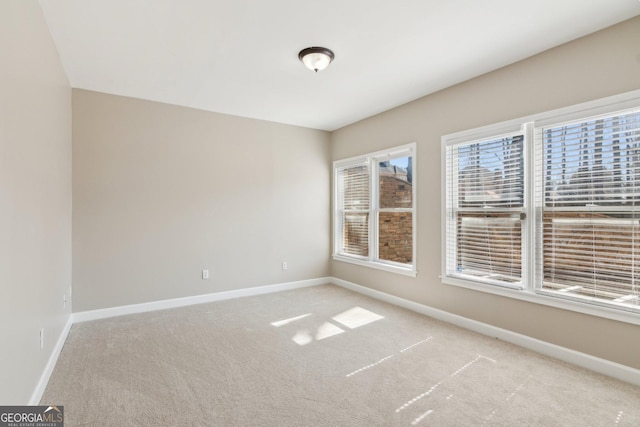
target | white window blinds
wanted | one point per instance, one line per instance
(485, 210)
(588, 191)
(353, 198)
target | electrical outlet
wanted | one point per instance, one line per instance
(205, 274)
(41, 338)
(284, 265)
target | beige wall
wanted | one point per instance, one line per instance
(162, 192)
(35, 198)
(599, 65)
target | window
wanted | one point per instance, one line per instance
(547, 208)
(588, 183)
(374, 210)
(485, 183)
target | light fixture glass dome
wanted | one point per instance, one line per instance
(316, 58)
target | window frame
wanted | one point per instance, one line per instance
(502, 131)
(372, 160)
(531, 292)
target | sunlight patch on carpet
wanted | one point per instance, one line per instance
(388, 357)
(435, 386)
(364, 368)
(289, 320)
(356, 317)
(421, 417)
(302, 337)
(327, 330)
(418, 397)
(416, 344)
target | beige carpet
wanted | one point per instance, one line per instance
(320, 356)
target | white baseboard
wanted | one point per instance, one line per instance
(603, 366)
(51, 363)
(104, 313)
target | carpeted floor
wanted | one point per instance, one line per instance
(319, 356)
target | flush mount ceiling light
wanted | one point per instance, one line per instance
(316, 58)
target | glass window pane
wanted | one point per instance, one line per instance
(354, 188)
(396, 183)
(592, 255)
(356, 233)
(395, 237)
(491, 173)
(490, 246)
(593, 163)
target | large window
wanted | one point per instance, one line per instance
(548, 206)
(374, 210)
(588, 186)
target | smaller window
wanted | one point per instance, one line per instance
(374, 214)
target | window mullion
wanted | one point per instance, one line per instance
(373, 209)
(529, 232)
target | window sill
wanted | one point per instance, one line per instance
(538, 298)
(405, 271)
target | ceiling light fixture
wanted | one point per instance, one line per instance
(316, 58)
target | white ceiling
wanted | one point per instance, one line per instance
(240, 56)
